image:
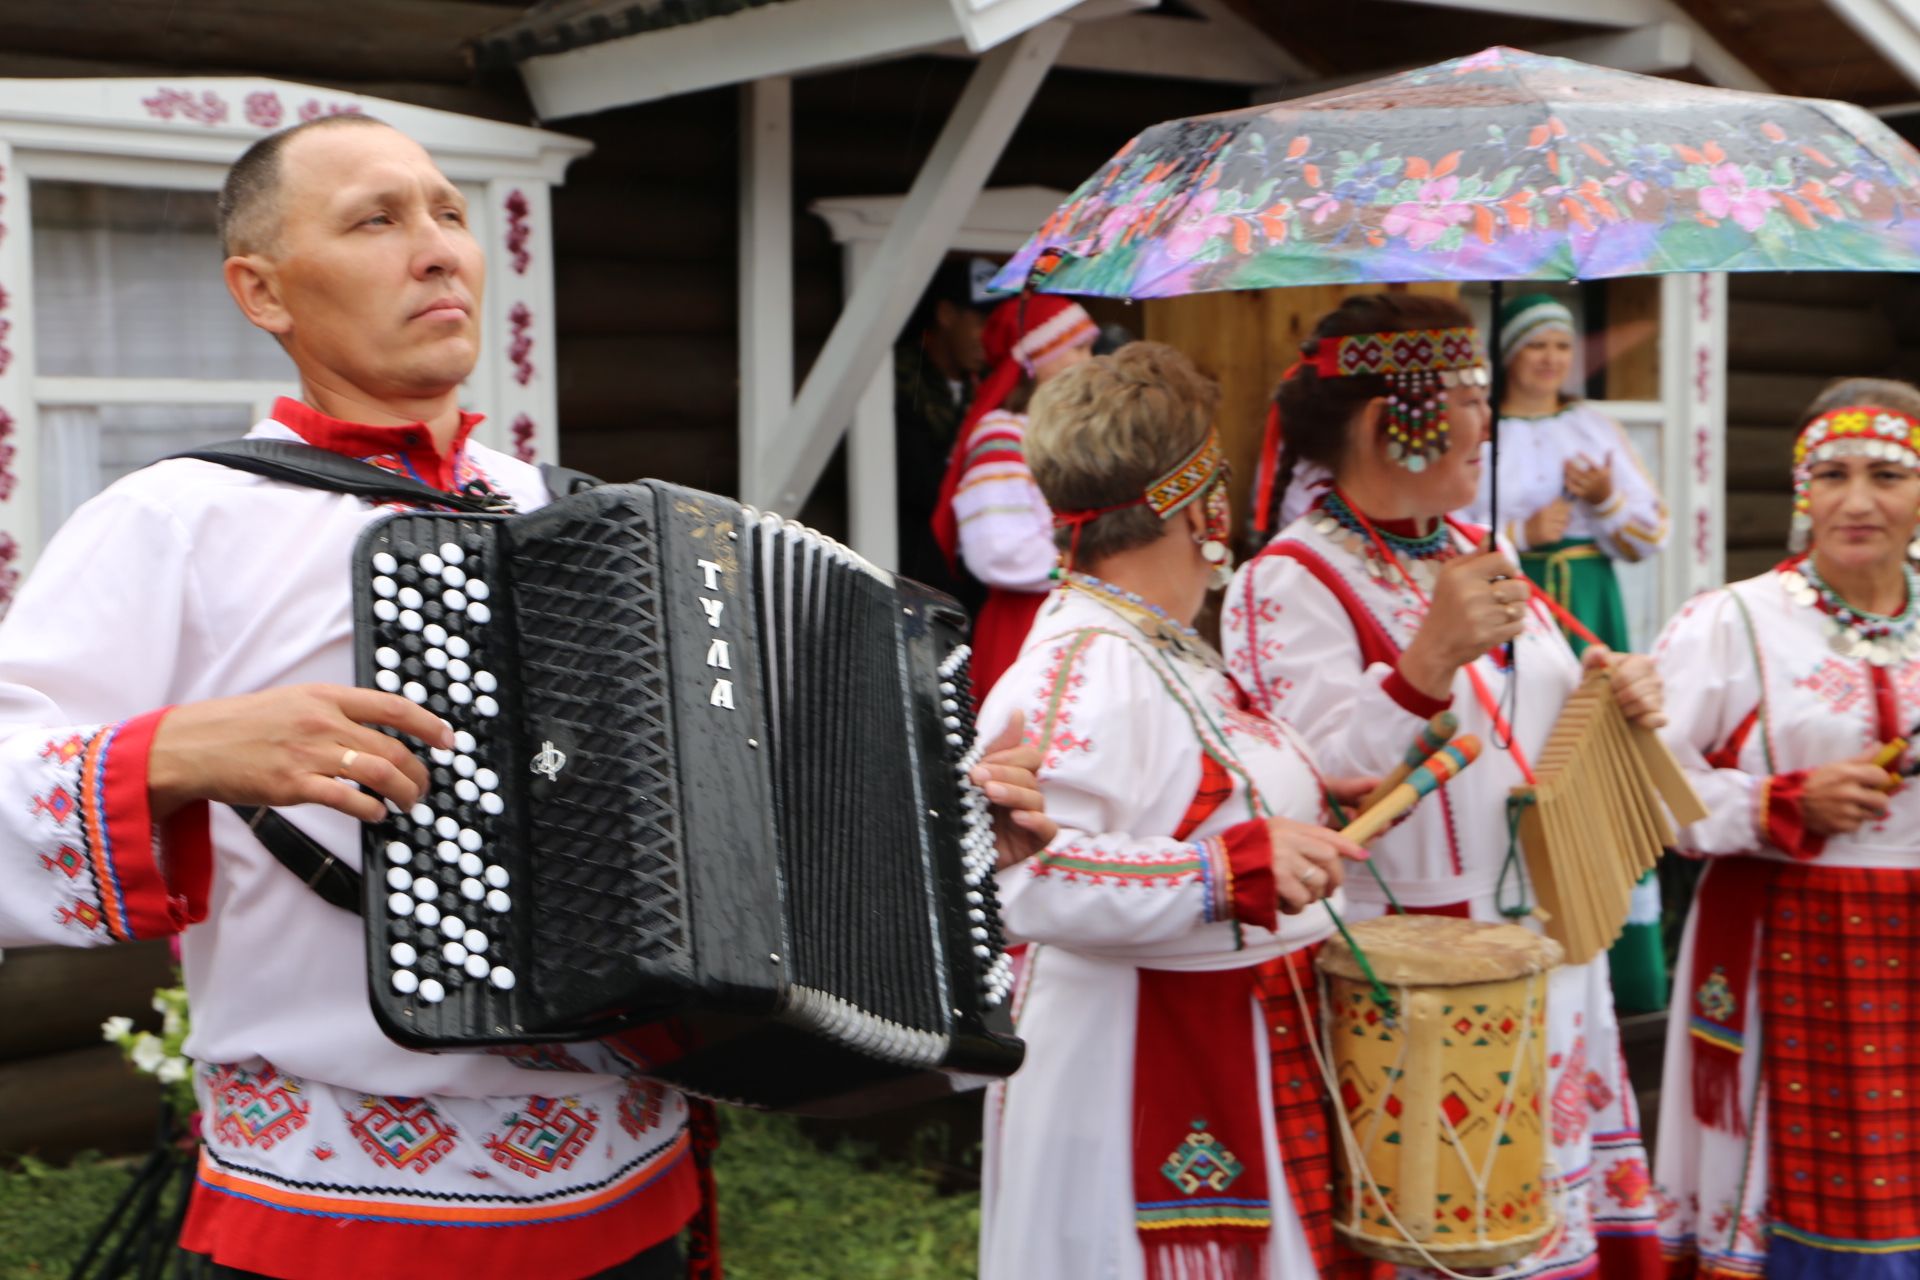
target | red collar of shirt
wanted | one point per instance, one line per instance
(410, 444)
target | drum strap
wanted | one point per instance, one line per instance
(314, 468)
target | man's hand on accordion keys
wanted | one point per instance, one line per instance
(1009, 773)
(304, 744)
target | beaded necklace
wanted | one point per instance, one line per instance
(1156, 623)
(1855, 633)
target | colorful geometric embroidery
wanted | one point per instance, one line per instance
(255, 1108)
(401, 1133)
(1188, 480)
(1570, 1111)
(82, 913)
(1629, 1184)
(1200, 1163)
(56, 804)
(65, 751)
(1715, 998)
(1837, 683)
(546, 1136)
(68, 861)
(640, 1106)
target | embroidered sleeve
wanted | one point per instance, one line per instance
(1713, 685)
(87, 647)
(1006, 529)
(1633, 520)
(1115, 747)
(1291, 645)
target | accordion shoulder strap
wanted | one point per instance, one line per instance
(315, 468)
(306, 857)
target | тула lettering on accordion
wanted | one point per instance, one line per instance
(709, 766)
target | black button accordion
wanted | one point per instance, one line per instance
(710, 766)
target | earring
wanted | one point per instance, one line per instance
(1913, 548)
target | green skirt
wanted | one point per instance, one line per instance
(1579, 576)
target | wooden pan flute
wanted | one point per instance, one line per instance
(1593, 822)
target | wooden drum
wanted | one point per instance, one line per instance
(1443, 1102)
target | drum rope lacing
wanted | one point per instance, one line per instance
(1355, 1162)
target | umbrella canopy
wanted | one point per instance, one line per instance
(1501, 166)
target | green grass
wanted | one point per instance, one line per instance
(788, 1211)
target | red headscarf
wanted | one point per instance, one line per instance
(1022, 333)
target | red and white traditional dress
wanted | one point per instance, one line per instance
(1168, 1114)
(330, 1151)
(1314, 627)
(1790, 1113)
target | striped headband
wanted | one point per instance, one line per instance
(1527, 321)
(1854, 431)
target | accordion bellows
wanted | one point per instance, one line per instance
(710, 767)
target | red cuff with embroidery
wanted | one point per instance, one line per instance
(1783, 815)
(1411, 700)
(153, 878)
(1250, 895)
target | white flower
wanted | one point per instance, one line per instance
(159, 1002)
(147, 1053)
(116, 1029)
(172, 1071)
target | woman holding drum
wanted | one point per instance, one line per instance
(1169, 1121)
(1372, 613)
(1788, 1116)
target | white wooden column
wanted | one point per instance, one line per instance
(766, 267)
(872, 480)
(19, 415)
(995, 99)
(518, 332)
(1693, 387)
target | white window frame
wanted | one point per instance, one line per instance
(182, 133)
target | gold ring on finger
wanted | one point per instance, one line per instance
(1513, 613)
(347, 758)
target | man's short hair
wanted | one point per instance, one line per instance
(248, 211)
(952, 283)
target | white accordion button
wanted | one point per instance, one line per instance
(478, 590)
(421, 815)
(405, 982)
(479, 612)
(470, 864)
(440, 755)
(449, 852)
(384, 563)
(454, 954)
(454, 576)
(430, 563)
(484, 681)
(398, 853)
(410, 598)
(385, 610)
(463, 765)
(474, 941)
(472, 890)
(502, 977)
(470, 840)
(464, 742)
(476, 966)
(434, 634)
(460, 694)
(491, 803)
(400, 904)
(446, 828)
(485, 705)
(452, 552)
(409, 620)
(425, 889)
(403, 954)
(431, 991)
(465, 789)
(399, 878)
(458, 646)
(498, 900)
(388, 681)
(384, 587)
(497, 876)
(488, 780)
(435, 658)
(427, 914)
(453, 926)
(455, 601)
(387, 656)
(457, 669)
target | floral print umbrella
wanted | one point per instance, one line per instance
(1501, 166)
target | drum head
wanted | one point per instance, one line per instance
(1440, 951)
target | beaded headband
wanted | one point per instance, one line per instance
(1195, 474)
(1420, 365)
(1855, 431)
